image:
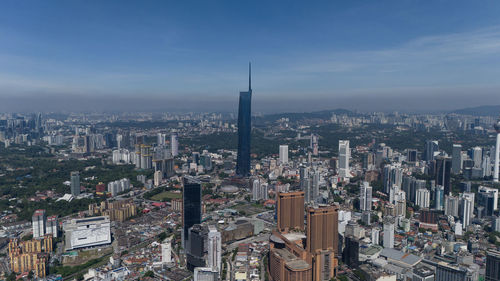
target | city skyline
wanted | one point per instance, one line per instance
(367, 56)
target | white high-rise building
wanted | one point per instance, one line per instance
(214, 249)
(174, 144)
(477, 156)
(389, 232)
(38, 223)
(259, 190)
(466, 207)
(283, 154)
(497, 152)
(160, 139)
(158, 177)
(166, 251)
(365, 197)
(344, 156)
(423, 198)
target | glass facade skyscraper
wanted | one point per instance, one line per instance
(191, 206)
(245, 128)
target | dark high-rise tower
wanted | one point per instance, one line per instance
(191, 206)
(245, 128)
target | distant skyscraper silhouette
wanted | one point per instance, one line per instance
(245, 128)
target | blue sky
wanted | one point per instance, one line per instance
(306, 55)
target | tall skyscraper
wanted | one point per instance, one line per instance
(365, 197)
(456, 158)
(322, 240)
(466, 208)
(191, 206)
(439, 197)
(290, 211)
(314, 144)
(497, 152)
(166, 251)
(174, 144)
(75, 183)
(443, 173)
(477, 156)
(214, 249)
(389, 232)
(245, 128)
(431, 147)
(492, 266)
(423, 198)
(283, 154)
(344, 156)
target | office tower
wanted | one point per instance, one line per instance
(350, 255)
(492, 266)
(389, 232)
(344, 156)
(312, 192)
(191, 206)
(412, 155)
(75, 183)
(431, 149)
(494, 191)
(166, 251)
(497, 152)
(214, 249)
(314, 145)
(466, 208)
(160, 139)
(196, 246)
(322, 240)
(439, 197)
(174, 144)
(443, 173)
(393, 176)
(456, 158)
(38, 223)
(423, 198)
(244, 129)
(283, 154)
(365, 197)
(486, 166)
(451, 204)
(488, 199)
(290, 211)
(304, 177)
(477, 156)
(495, 223)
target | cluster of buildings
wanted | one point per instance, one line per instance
(120, 210)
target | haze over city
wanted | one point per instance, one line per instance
(191, 56)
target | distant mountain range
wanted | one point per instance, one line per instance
(485, 110)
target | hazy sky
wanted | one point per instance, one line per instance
(193, 55)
